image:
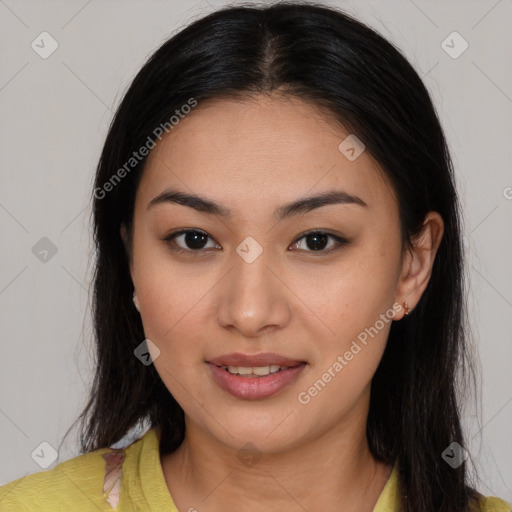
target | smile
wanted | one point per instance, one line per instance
(256, 382)
(255, 371)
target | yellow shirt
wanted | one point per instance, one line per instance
(129, 480)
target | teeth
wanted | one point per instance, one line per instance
(241, 371)
(255, 370)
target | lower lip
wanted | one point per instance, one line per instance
(253, 388)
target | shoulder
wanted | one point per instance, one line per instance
(75, 480)
(493, 504)
(53, 487)
(89, 481)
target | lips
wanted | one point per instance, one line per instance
(256, 360)
(255, 387)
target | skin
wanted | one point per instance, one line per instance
(252, 156)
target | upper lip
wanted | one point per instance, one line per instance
(248, 360)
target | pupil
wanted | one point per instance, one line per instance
(195, 239)
(320, 241)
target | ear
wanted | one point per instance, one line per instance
(123, 234)
(418, 262)
(136, 301)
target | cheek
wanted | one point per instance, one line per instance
(356, 304)
(168, 296)
(169, 318)
(347, 357)
(375, 276)
(170, 312)
(353, 295)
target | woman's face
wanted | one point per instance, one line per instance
(251, 281)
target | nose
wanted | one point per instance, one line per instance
(254, 298)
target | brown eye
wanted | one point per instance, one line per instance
(196, 240)
(190, 240)
(317, 241)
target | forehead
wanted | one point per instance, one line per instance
(264, 149)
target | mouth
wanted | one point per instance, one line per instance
(255, 371)
(254, 377)
(257, 361)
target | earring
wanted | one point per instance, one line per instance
(136, 302)
(406, 308)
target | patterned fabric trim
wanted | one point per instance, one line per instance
(113, 474)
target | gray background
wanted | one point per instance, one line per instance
(54, 116)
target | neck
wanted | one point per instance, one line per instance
(334, 471)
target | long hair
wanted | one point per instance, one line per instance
(325, 57)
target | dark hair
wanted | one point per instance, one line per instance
(322, 56)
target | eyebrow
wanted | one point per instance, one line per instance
(301, 206)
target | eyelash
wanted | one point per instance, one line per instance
(341, 242)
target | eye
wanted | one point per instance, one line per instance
(316, 241)
(194, 240)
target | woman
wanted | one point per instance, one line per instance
(276, 197)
